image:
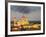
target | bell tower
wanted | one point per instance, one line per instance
(14, 19)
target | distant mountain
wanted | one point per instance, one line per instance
(35, 22)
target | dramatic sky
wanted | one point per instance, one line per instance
(32, 12)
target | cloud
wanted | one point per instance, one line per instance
(24, 9)
(32, 12)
